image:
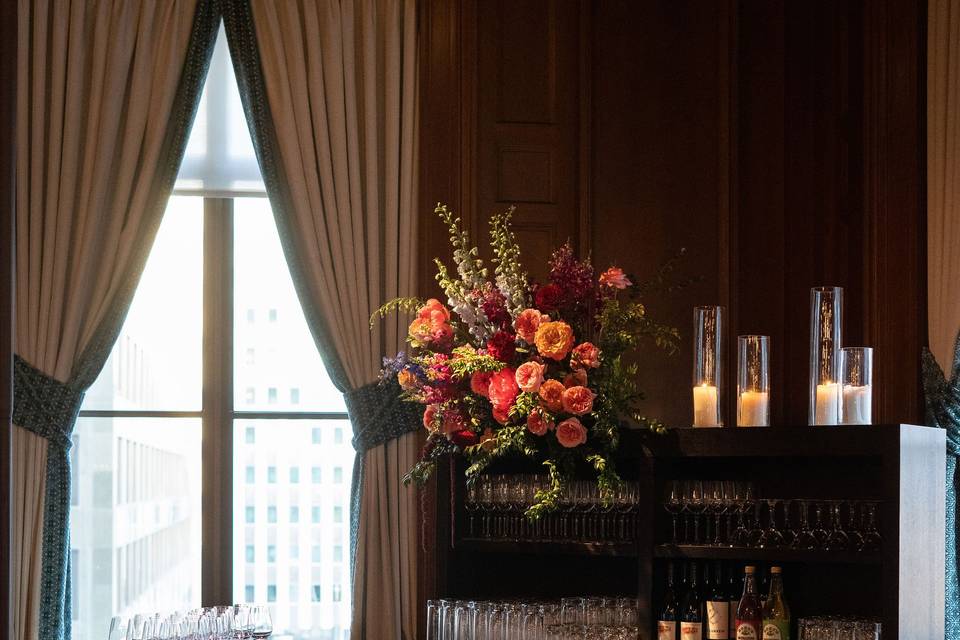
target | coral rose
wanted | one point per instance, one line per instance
(480, 383)
(501, 415)
(584, 356)
(407, 379)
(570, 433)
(615, 277)
(538, 425)
(554, 339)
(434, 311)
(503, 389)
(551, 393)
(548, 297)
(430, 417)
(578, 400)
(527, 324)
(530, 376)
(577, 377)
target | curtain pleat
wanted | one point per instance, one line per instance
(330, 93)
(943, 266)
(107, 90)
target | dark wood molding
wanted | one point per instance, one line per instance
(585, 163)
(8, 87)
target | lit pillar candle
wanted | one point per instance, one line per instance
(705, 406)
(754, 409)
(857, 404)
(828, 403)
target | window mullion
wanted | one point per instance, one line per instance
(217, 452)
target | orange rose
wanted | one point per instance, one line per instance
(434, 311)
(430, 417)
(615, 277)
(530, 376)
(578, 400)
(570, 433)
(585, 355)
(577, 377)
(554, 339)
(551, 394)
(538, 425)
(527, 324)
(407, 379)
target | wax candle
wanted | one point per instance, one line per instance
(828, 403)
(705, 406)
(754, 409)
(857, 404)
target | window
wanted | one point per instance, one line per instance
(317, 435)
(338, 436)
(337, 592)
(294, 592)
(316, 475)
(271, 553)
(294, 515)
(338, 475)
(338, 515)
(144, 420)
(315, 515)
(338, 553)
(315, 593)
(315, 553)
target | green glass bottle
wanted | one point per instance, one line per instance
(776, 613)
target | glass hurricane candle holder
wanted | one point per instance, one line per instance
(707, 366)
(856, 371)
(753, 381)
(826, 309)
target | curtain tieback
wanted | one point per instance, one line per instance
(379, 415)
(43, 404)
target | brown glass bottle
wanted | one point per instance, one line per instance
(749, 612)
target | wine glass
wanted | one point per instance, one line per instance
(871, 537)
(819, 532)
(771, 538)
(837, 538)
(805, 538)
(744, 498)
(674, 503)
(118, 629)
(755, 536)
(693, 493)
(262, 624)
(715, 505)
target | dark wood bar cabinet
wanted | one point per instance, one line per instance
(900, 466)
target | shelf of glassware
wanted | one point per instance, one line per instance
(549, 547)
(710, 552)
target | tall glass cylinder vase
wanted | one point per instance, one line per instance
(826, 321)
(708, 328)
(753, 381)
(856, 376)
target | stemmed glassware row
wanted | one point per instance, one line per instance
(838, 628)
(232, 622)
(733, 516)
(576, 618)
(495, 506)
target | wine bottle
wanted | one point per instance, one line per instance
(718, 606)
(749, 614)
(667, 621)
(764, 587)
(691, 611)
(734, 589)
(776, 613)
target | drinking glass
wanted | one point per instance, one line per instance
(433, 620)
(118, 629)
(463, 622)
(819, 532)
(674, 503)
(837, 539)
(805, 539)
(729, 505)
(571, 617)
(715, 505)
(744, 498)
(694, 505)
(755, 536)
(771, 538)
(871, 536)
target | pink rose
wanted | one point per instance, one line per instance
(578, 400)
(503, 389)
(615, 277)
(430, 417)
(538, 425)
(530, 376)
(480, 383)
(577, 377)
(584, 356)
(570, 433)
(527, 324)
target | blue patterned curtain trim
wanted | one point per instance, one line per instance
(942, 399)
(380, 415)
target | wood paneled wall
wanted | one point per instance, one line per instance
(779, 142)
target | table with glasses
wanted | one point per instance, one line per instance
(232, 622)
(844, 510)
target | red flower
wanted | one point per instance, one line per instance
(502, 346)
(464, 438)
(548, 297)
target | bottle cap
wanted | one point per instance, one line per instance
(749, 569)
(775, 570)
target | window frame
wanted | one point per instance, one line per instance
(217, 413)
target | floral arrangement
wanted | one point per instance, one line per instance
(513, 367)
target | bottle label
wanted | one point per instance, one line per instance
(666, 630)
(718, 622)
(691, 631)
(748, 630)
(732, 615)
(776, 630)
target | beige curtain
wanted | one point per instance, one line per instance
(337, 141)
(99, 121)
(943, 177)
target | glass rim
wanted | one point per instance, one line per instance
(826, 288)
